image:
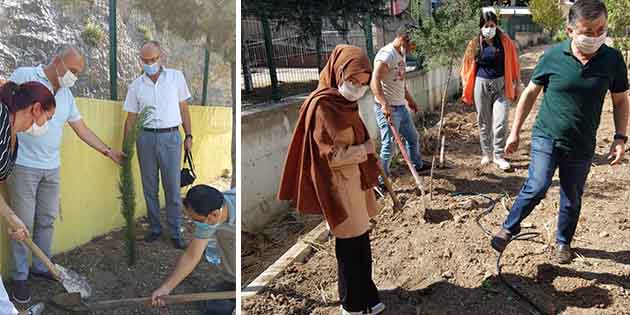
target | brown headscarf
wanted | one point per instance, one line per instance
(307, 177)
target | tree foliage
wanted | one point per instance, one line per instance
(309, 15)
(619, 24)
(213, 21)
(127, 188)
(548, 14)
(443, 37)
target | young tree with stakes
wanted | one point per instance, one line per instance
(442, 37)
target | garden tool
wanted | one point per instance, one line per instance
(416, 177)
(72, 302)
(71, 281)
(390, 189)
(405, 155)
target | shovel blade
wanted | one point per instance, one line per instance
(74, 282)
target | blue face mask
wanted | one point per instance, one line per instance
(151, 69)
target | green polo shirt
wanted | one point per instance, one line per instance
(574, 96)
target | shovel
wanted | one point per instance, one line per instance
(72, 302)
(71, 281)
(390, 189)
(405, 155)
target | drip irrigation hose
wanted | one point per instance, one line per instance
(525, 236)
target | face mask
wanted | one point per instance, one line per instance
(488, 32)
(36, 130)
(68, 79)
(151, 69)
(352, 92)
(589, 45)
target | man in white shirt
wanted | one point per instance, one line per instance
(165, 92)
(392, 98)
(34, 185)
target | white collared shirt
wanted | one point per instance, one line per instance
(163, 97)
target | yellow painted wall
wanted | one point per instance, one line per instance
(89, 181)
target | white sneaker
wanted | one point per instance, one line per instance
(36, 309)
(376, 309)
(501, 163)
(485, 160)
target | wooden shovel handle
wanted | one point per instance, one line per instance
(169, 299)
(42, 256)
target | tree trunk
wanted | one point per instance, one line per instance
(439, 135)
(233, 149)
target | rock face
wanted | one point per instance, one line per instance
(32, 31)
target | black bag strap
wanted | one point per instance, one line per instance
(188, 159)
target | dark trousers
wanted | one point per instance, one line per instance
(357, 291)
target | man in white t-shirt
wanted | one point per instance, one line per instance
(165, 92)
(392, 98)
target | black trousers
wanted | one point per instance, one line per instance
(357, 291)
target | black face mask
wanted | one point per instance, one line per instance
(188, 175)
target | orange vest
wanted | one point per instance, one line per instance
(469, 69)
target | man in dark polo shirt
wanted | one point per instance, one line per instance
(575, 76)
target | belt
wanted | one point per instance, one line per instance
(161, 129)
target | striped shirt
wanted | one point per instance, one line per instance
(7, 158)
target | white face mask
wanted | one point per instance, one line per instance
(68, 79)
(589, 45)
(488, 32)
(352, 92)
(36, 130)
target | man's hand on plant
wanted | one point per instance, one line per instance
(117, 156)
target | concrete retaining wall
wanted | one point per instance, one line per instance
(266, 134)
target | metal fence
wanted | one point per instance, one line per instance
(31, 31)
(278, 53)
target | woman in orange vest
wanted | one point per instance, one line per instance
(491, 79)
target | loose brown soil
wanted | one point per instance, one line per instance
(260, 250)
(104, 262)
(446, 265)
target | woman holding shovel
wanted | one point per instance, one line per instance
(331, 168)
(491, 77)
(23, 108)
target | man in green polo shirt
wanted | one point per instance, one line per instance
(575, 76)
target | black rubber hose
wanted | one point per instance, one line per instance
(519, 237)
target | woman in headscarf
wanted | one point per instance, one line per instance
(491, 77)
(23, 108)
(331, 168)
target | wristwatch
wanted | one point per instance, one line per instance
(188, 136)
(619, 136)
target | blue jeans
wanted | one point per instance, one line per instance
(404, 124)
(545, 158)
